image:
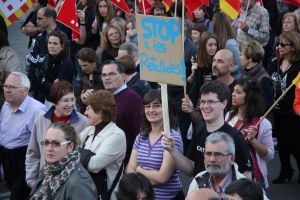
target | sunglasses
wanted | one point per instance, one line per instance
(284, 45)
(54, 143)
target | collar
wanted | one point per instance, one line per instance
(73, 118)
(120, 89)
(23, 105)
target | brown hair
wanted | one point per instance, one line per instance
(294, 39)
(58, 90)
(203, 57)
(253, 50)
(88, 55)
(104, 102)
(294, 16)
(105, 43)
(110, 13)
(128, 64)
(63, 39)
(223, 29)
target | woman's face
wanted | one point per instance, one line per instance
(54, 46)
(289, 24)
(103, 8)
(114, 37)
(238, 96)
(285, 48)
(199, 14)
(195, 35)
(130, 30)
(244, 60)
(54, 149)
(94, 118)
(65, 105)
(153, 112)
(158, 12)
(211, 46)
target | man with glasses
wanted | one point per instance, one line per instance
(128, 102)
(213, 100)
(16, 118)
(220, 168)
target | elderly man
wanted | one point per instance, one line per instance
(128, 101)
(16, 118)
(253, 24)
(220, 169)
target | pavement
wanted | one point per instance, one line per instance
(286, 191)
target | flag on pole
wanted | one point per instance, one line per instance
(67, 16)
(122, 5)
(296, 81)
(293, 2)
(192, 5)
(168, 4)
(230, 8)
(52, 3)
(141, 4)
(11, 10)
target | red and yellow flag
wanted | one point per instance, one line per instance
(11, 10)
(230, 7)
(296, 81)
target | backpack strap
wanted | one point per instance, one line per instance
(115, 182)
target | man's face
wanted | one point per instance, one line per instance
(216, 159)
(221, 65)
(112, 79)
(211, 107)
(87, 67)
(42, 21)
(13, 91)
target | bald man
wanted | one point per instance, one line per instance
(202, 193)
(223, 63)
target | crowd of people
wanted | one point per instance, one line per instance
(77, 121)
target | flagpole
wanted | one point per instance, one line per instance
(144, 8)
(135, 7)
(246, 10)
(175, 14)
(182, 34)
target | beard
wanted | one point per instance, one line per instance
(218, 169)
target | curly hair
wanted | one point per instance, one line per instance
(104, 102)
(63, 40)
(254, 100)
(105, 43)
(150, 96)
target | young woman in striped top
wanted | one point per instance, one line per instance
(148, 156)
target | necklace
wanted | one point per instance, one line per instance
(287, 68)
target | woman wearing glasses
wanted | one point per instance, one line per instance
(248, 107)
(283, 70)
(148, 156)
(62, 177)
(103, 143)
(63, 110)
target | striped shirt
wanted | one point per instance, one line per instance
(150, 157)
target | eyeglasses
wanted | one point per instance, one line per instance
(208, 102)
(66, 101)
(284, 45)
(154, 106)
(216, 155)
(10, 87)
(54, 143)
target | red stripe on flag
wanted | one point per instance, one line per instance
(234, 3)
(12, 18)
(24, 7)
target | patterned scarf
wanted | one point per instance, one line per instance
(56, 174)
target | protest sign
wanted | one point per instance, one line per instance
(160, 49)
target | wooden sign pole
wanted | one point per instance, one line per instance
(165, 107)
